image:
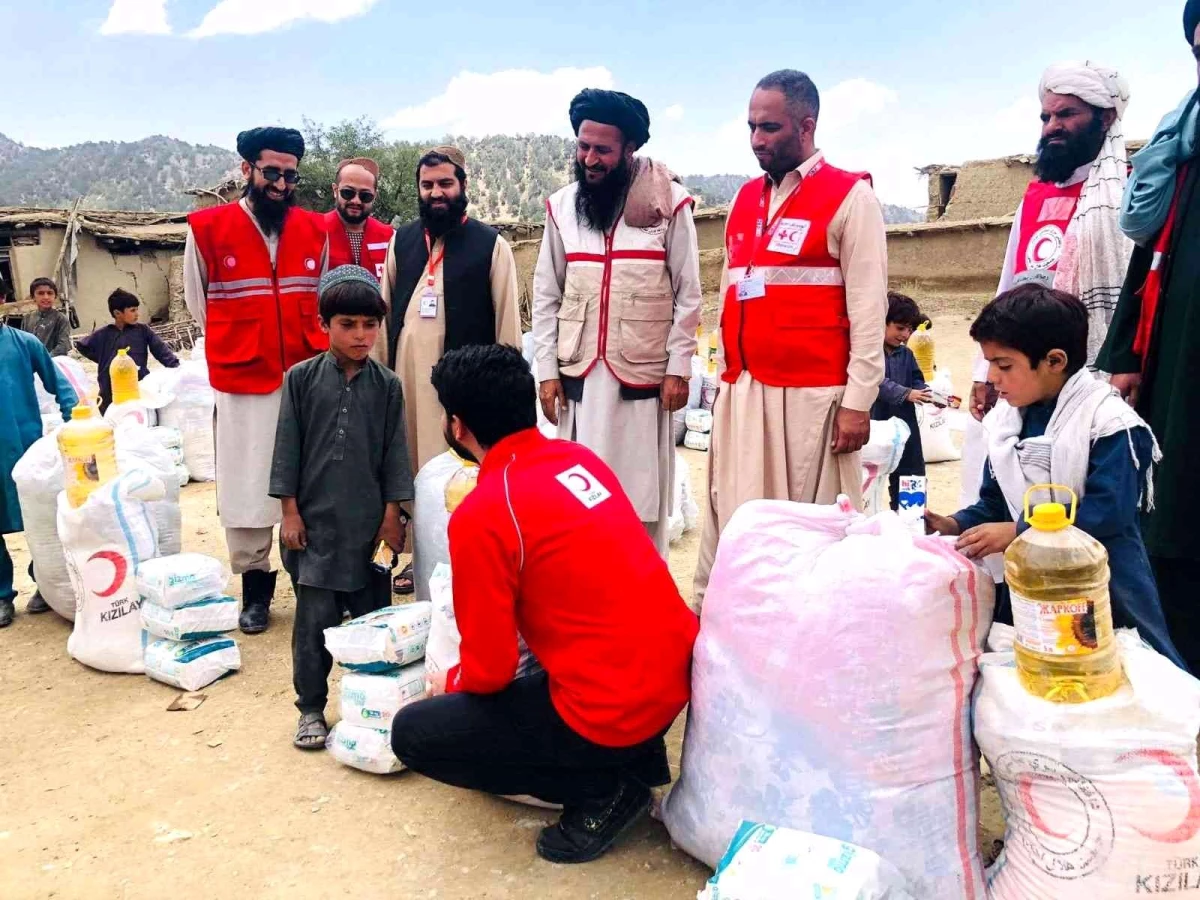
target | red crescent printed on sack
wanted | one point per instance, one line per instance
(1025, 785)
(587, 485)
(1190, 826)
(120, 570)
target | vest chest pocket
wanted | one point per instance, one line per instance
(645, 326)
(572, 316)
(232, 333)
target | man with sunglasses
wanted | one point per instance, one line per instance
(355, 237)
(250, 281)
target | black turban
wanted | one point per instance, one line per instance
(613, 108)
(252, 142)
(1191, 18)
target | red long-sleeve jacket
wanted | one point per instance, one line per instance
(548, 545)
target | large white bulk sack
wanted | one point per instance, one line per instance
(191, 665)
(768, 863)
(880, 457)
(381, 640)
(191, 412)
(431, 541)
(105, 540)
(364, 748)
(84, 384)
(180, 579)
(39, 479)
(831, 688)
(1101, 799)
(132, 412)
(937, 441)
(685, 514)
(442, 648)
(137, 445)
(374, 700)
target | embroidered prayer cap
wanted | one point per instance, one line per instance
(1093, 84)
(365, 161)
(344, 275)
(612, 108)
(451, 153)
(252, 142)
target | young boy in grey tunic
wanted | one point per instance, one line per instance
(341, 471)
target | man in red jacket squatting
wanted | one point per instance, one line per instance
(533, 550)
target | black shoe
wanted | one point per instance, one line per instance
(37, 604)
(7, 611)
(258, 590)
(587, 832)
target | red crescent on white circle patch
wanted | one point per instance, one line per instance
(230, 262)
(310, 264)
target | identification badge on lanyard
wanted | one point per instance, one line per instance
(429, 303)
(751, 287)
(789, 236)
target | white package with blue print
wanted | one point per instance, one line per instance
(374, 699)
(768, 863)
(880, 456)
(364, 748)
(191, 665)
(181, 579)
(381, 640)
(442, 648)
(205, 618)
(104, 541)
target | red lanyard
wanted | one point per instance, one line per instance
(764, 234)
(434, 262)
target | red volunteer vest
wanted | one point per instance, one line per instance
(260, 321)
(798, 333)
(376, 237)
(1046, 212)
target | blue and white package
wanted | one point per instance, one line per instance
(374, 699)
(382, 640)
(205, 618)
(912, 501)
(174, 581)
(191, 665)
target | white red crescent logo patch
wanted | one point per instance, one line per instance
(230, 261)
(310, 264)
(1044, 248)
(584, 486)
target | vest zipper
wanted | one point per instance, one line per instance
(278, 307)
(605, 291)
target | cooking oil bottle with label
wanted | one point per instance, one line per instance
(1057, 576)
(461, 483)
(123, 375)
(921, 345)
(88, 454)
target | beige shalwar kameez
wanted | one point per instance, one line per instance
(775, 443)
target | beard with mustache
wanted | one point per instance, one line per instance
(352, 218)
(440, 221)
(454, 445)
(600, 204)
(268, 212)
(1056, 163)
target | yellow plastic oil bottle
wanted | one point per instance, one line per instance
(921, 344)
(88, 454)
(461, 483)
(1057, 577)
(123, 374)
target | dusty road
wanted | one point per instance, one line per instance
(105, 794)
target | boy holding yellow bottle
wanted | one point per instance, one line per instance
(125, 333)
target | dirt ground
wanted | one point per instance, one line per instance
(105, 794)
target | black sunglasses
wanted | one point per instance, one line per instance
(274, 173)
(349, 193)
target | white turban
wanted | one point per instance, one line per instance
(1095, 85)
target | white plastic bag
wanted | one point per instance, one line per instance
(700, 420)
(39, 479)
(431, 543)
(104, 541)
(1101, 799)
(880, 456)
(381, 640)
(191, 412)
(768, 863)
(937, 440)
(374, 700)
(363, 748)
(441, 650)
(685, 514)
(175, 581)
(831, 689)
(193, 621)
(191, 665)
(138, 446)
(132, 412)
(695, 440)
(84, 384)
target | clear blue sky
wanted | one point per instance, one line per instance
(904, 84)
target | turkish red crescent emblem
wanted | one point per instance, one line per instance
(120, 570)
(1182, 770)
(584, 483)
(230, 262)
(310, 264)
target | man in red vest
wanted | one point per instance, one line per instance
(803, 306)
(250, 280)
(355, 237)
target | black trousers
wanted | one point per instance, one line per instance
(1179, 592)
(316, 610)
(514, 742)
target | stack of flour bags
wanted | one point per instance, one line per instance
(382, 653)
(186, 614)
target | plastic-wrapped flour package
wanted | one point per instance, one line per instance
(381, 640)
(174, 581)
(374, 699)
(191, 665)
(364, 748)
(203, 619)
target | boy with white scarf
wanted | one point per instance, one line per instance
(1056, 422)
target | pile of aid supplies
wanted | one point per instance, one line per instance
(847, 678)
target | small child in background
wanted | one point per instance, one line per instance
(903, 385)
(125, 333)
(46, 323)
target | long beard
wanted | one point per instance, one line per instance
(600, 204)
(269, 213)
(440, 221)
(1056, 164)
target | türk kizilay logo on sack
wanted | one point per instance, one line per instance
(586, 488)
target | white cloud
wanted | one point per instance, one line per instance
(848, 101)
(673, 113)
(511, 101)
(137, 17)
(254, 17)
